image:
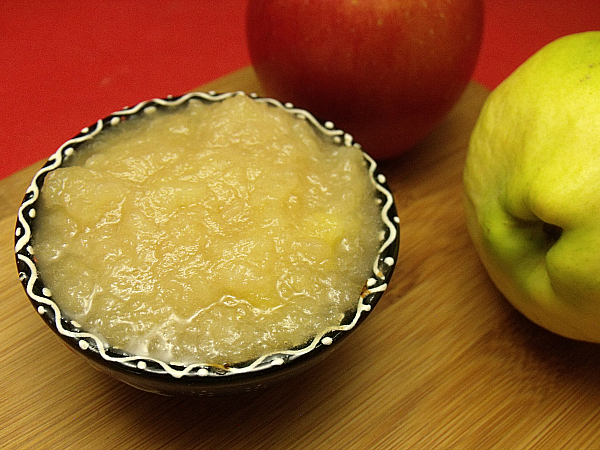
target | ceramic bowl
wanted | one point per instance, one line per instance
(199, 379)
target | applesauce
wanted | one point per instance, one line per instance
(214, 233)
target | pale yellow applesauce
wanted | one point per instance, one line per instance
(215, 233)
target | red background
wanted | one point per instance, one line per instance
(66, 64)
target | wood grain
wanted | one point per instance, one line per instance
(442, 362)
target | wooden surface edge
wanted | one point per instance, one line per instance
(234, 81)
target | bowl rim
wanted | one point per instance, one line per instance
(90, 345)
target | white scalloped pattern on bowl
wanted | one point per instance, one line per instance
(41, 297)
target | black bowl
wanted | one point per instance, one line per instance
(200, 379)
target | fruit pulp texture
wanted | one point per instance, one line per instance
(215, 234)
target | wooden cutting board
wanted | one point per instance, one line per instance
(442, 362)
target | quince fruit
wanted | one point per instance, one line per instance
(532, 184)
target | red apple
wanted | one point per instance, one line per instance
(386, 71)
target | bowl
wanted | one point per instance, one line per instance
(198, 378)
